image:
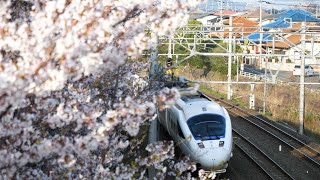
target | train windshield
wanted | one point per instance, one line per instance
(207, 126)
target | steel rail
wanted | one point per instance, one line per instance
(253, 160)
(277, 129)
(264, 154)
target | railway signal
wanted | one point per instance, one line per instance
(168, 65)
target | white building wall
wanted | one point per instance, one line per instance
(295, 55)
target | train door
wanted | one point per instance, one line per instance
(171, 124)
(184, 142)
(168, 121)
(164, 117)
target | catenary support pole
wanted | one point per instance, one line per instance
(221, 22)
(230, 61)
(170, 48)
(260, 39)
(265, 88)
(302, 67)
(236, 58)
(265, 68)
(154, 58)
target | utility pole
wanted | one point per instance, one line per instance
(302, 67)
(265, 87)
(221, 12)
(230, 60)
(154, 57)
(260, 44)
(265, 68)
(170, 47)
(236, 58)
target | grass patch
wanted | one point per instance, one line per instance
(210, 91)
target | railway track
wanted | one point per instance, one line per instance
(262, 160)
(294, 156)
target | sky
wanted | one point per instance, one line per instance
(278, 4)
(293, 2)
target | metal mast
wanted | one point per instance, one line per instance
(230, 60)
(154, 57)
(302, 67)
(260, 43)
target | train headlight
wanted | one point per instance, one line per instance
(221, 143)
(200, 145)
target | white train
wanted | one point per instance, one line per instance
(201, 128)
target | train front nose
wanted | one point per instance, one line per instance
(214, 161)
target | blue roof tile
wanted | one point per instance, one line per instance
(255, 37)
(295, 16)
(278, 23)
(293, 11)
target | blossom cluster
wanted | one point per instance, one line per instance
(69, 105)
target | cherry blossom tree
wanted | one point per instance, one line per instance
(68, 107)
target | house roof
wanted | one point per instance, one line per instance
(294, 11)
(255, 37)
(241, 21)
(237, 14)
(240, 24)
(295, 15)
(208, 17)
(272, 16)
(311, 27)
(239, 32)
(224, 12)
(277, 24)
(299, 17)
(283, 23)
(286, 43)
(256, 14)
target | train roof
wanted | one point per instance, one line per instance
(194, 103)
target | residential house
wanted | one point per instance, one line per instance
(255, 15)
(208, 20)
(251, 47)
(288, 18)
(291, 47)
(269, 19)
(242, 26)
(287, 42)
(225, 12)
